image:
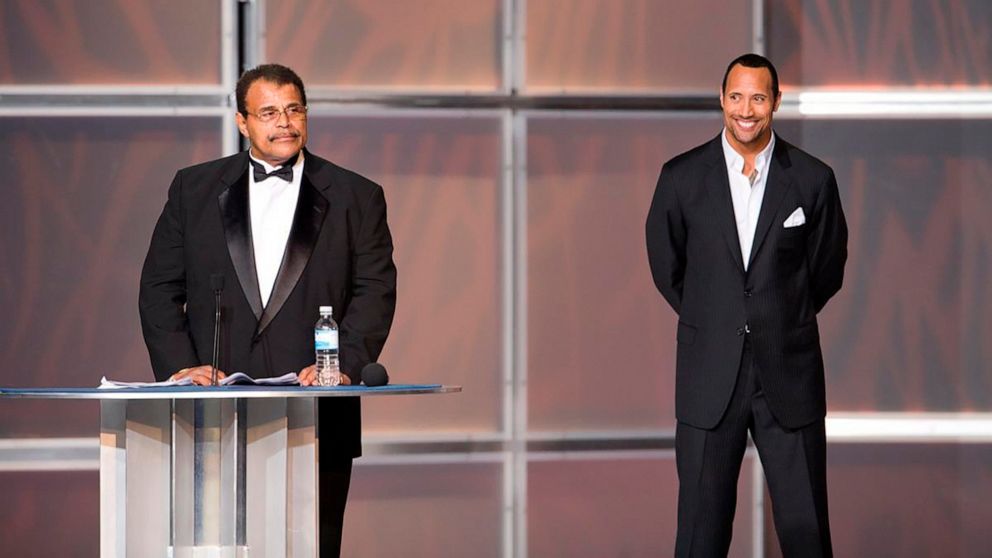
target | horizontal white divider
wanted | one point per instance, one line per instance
(82, 454)
(910, 427)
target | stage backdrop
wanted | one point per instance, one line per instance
(518, 216)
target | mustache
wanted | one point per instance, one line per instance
(293, 134)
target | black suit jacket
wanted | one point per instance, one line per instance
(339, 252)
(695, 258)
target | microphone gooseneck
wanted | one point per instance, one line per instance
(217, 283)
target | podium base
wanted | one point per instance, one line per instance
(208, 478)
(209, 552)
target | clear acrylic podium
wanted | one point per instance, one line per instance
(191, 472)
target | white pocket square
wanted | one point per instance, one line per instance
(797, 218)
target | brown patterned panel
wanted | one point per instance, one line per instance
(601, 340)
(424, 511)
(81, 198)
(411, 44)
(50, 513)
(880, 42)
(907, 500)
(632, 45)
(910, 330)
(442, 182)
(590, 508)
(109, 42)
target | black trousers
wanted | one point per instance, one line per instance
(709, 464)
(335, 479)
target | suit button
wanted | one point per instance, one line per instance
(747, 293)
(740, 331)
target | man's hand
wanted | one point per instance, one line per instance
(199, 374)
(308, 377)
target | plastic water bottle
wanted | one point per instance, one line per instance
(325, 337)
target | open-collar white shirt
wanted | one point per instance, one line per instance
(745, 195)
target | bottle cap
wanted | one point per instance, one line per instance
(326, 309)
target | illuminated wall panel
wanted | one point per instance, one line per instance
(425, 510)
(441, 177)
(627, 46)
(388, 44)
(615, 506)
(909, 331)
(600, 338)
(72, 42)
(50, 513)
(926, 499)
(82, 195)
(880, 43)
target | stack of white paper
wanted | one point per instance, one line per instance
(238, 378)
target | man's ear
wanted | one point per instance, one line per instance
(778, 101)
(242, 124)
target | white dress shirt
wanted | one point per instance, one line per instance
(746, 196)
(271, 204)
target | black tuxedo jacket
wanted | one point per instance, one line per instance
(695, 258)
(339, 253)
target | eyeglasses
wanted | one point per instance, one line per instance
(292, 112)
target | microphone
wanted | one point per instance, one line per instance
(217, 283)
(374, 375)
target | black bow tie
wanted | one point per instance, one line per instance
(284, 172)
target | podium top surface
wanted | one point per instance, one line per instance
(224, 392)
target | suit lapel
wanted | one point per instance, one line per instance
(718, 186)
(311, 208)
(776, 186)
(233, 203)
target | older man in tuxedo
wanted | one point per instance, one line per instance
(282, 232)
(747, 242)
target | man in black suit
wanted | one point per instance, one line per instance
(283, 232)
(747, 241)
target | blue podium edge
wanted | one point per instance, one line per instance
(223, 392)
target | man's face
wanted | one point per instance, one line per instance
(281, 138)
(748, 103)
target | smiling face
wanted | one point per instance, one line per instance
(276, 141)
(748, 102)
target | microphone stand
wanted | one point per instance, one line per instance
(218, 285)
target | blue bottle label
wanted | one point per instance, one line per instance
(325, 339)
